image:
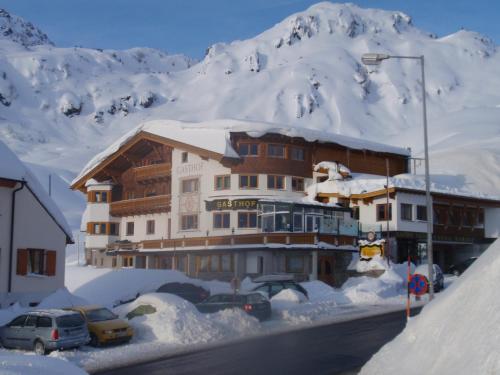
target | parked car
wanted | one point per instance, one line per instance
(254, 304)
(45, 330)
(190, 292)
(273, 284)
(459, 268)
(104, 326)
(437, 277)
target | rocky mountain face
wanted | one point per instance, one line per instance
(66, 104)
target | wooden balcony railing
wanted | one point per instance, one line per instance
(153, 172)
(140, 206)
(257, 239)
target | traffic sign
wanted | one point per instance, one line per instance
(418, 284)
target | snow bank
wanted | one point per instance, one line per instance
(457, 333)
(286, 299)
(18, 364)
(61, 298)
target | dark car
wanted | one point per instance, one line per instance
(190, 292)
(254, 304)
(437, 277)
(45, 330)
(271, 288)
(459, 268)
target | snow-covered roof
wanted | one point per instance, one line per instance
(365, 183)
(214, 136)
(12, 168)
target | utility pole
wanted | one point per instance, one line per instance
(389, 212)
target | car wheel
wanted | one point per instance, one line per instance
(94, 341)
(39, 348)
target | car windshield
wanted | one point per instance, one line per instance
(73, 320)
(98, 315)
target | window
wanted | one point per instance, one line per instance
(149, 193)
(249, 181)
(298, 222)
(150, 227)
(189, 222)
(130, 195)
(295, 264)
(18, 322)
(320, 179)
(382, 213)
(113, 262)
(297, 184)
(276, 182)
(223, 182)
(44, 322)
(114, 229)
(226, 263)
(480, 217)
(190, 186)
(128, 262)
(248, 149)
(203, 263)
(184, 157)
(422, 213)
(36, 261)
(130, 228)
(247, 220)
(222, 220)
(99, 228)
(406, 211)
(31, 321)
(355, 213)
(215, 263)
(276, 151)
(297, 153)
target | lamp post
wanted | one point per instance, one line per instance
(376, 59)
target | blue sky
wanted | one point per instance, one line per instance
(190, 26)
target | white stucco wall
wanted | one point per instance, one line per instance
(414, 225)
(492, 222)
(33, 228)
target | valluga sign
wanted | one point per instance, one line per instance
(231, 204)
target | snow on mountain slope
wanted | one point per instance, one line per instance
(61, 106)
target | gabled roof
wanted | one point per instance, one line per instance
(213, 137)
(11, 168)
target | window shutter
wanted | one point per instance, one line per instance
(51, 262)
(89, 228)
(90, 196)
(22, 262)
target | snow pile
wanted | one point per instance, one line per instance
(6, 315)
(286, 299)
(375, 263)
(17, 364)
(457, 333)
(390, 287)
(61, 298)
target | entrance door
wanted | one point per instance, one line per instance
(325, 269)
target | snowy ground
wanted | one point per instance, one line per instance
(178, 326)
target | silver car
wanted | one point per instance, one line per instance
(45, 330)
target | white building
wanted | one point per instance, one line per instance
(222, 199)
(464, 222)
(33, 235)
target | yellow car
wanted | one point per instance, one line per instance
(104, 326)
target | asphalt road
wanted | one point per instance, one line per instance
(340, 348)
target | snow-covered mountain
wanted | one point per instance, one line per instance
(60, 106)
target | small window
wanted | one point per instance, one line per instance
(184, 157)
(276, 151)
(190, 186)
(223, 182)
(382, 214)
(249, 181)
(31, 321)
(214, 263)
(297, 153)
(150, 193)
(248, 149)
(247, 220)
(113, 262)
(18, 322)
(189, 222)
(222, 220)
(480, 217)
(44, 322)
(276, 182)
(226, 263)
(297, 184)
(355, 212)
(406, 211)
(130, 195)
(114, 229)
(128, 262)
(295, 264)
(203, 263)
(422, 213)
(98, 198)
(36, 261)
(150, 227)
(130, 228)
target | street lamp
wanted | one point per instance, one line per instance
(376, 59)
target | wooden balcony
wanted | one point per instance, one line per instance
(153, 173)
(141, 206)
(257, 239)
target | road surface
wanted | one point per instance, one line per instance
(340, 348)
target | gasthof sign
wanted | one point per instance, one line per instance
(235, 204)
